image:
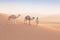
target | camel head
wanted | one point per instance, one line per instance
(19, 15)
(33, 17)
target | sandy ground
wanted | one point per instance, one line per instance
(21, 31)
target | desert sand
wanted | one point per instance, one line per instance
(21, 31)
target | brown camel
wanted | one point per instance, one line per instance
(13, 17)
(28, 18)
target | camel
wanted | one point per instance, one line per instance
(13, 17)
(28, 18)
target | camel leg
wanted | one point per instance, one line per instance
(15, 22)
(9, 21)
(12, 22)
(29, 22)
(26, 21)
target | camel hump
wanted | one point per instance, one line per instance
(12, 16)
(27, 17)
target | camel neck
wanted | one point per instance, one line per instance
(17, 16)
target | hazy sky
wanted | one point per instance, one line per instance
(31, 7)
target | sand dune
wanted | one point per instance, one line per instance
(21, 31)
(26, 32)
(52, 18)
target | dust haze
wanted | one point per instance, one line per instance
(46, 30)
